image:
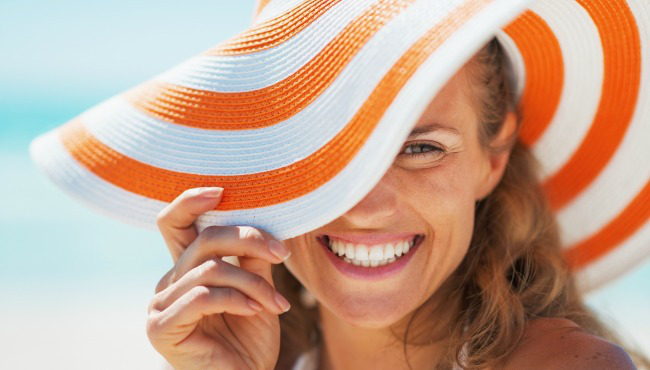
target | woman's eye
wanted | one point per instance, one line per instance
(421, 150)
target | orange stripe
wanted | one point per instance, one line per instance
(622, 77)
(542, 57)
(276, 186)
(270, 105)
(274, 31)
(635, 215)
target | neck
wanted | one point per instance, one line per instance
(346, 346)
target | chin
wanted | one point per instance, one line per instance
(370, 313)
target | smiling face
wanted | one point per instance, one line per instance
(426, 192)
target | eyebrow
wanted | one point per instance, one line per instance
(431, 128)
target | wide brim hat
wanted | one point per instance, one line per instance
(299, 116)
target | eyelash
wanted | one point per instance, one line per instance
(434, 149)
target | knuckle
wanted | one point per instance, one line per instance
(161, 217)
(250, 233)
(199, 294)
(154, 327)
(165, 281)
(210, 267)
(152, 305)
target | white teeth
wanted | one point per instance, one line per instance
(361, 252)
(376, 253)
(349, 251)
(370, 256)
(389, 251)
(398, 249)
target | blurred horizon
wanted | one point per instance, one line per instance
(75, 284)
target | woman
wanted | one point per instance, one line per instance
(363, 139)
(500, 286)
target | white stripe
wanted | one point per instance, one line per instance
(257, 70)
(50, 155)
(621, 260)
(274, 8)
(331, 200)
(190, 150)
(628, 170)
(582, 54)
(516, 67)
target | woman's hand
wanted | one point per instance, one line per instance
(203, 314)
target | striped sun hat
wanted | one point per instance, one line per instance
(288, 116)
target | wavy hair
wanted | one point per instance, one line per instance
(514, 270)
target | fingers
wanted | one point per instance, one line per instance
(219, 241)
(218, 273)
(176, 220)
(179, 320)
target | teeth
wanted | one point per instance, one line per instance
(370, 256)
(389, 251)
(349, 251)
(376, 253)
(361, 252)
(398, 249)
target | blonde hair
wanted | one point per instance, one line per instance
(514, 270)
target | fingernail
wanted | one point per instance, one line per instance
(282, 302)
(254, 305)
(211, 192)
(279, 250)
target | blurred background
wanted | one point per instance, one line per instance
(75, 285)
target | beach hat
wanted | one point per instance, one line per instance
(299, 116)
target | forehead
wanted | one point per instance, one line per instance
(452, 106)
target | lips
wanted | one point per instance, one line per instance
(368, 273)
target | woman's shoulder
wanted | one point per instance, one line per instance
(555, 343)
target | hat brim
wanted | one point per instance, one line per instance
(249, 115)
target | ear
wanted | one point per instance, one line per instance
(496, 163)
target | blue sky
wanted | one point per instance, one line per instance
(58, 59)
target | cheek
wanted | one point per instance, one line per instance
(446, 189)
(443, 196)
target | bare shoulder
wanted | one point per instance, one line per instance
(562, 344)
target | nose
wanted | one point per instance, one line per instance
(377, 209)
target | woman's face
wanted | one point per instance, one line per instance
(432, 194)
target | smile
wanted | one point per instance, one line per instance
(369, 261)
(370, 255)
